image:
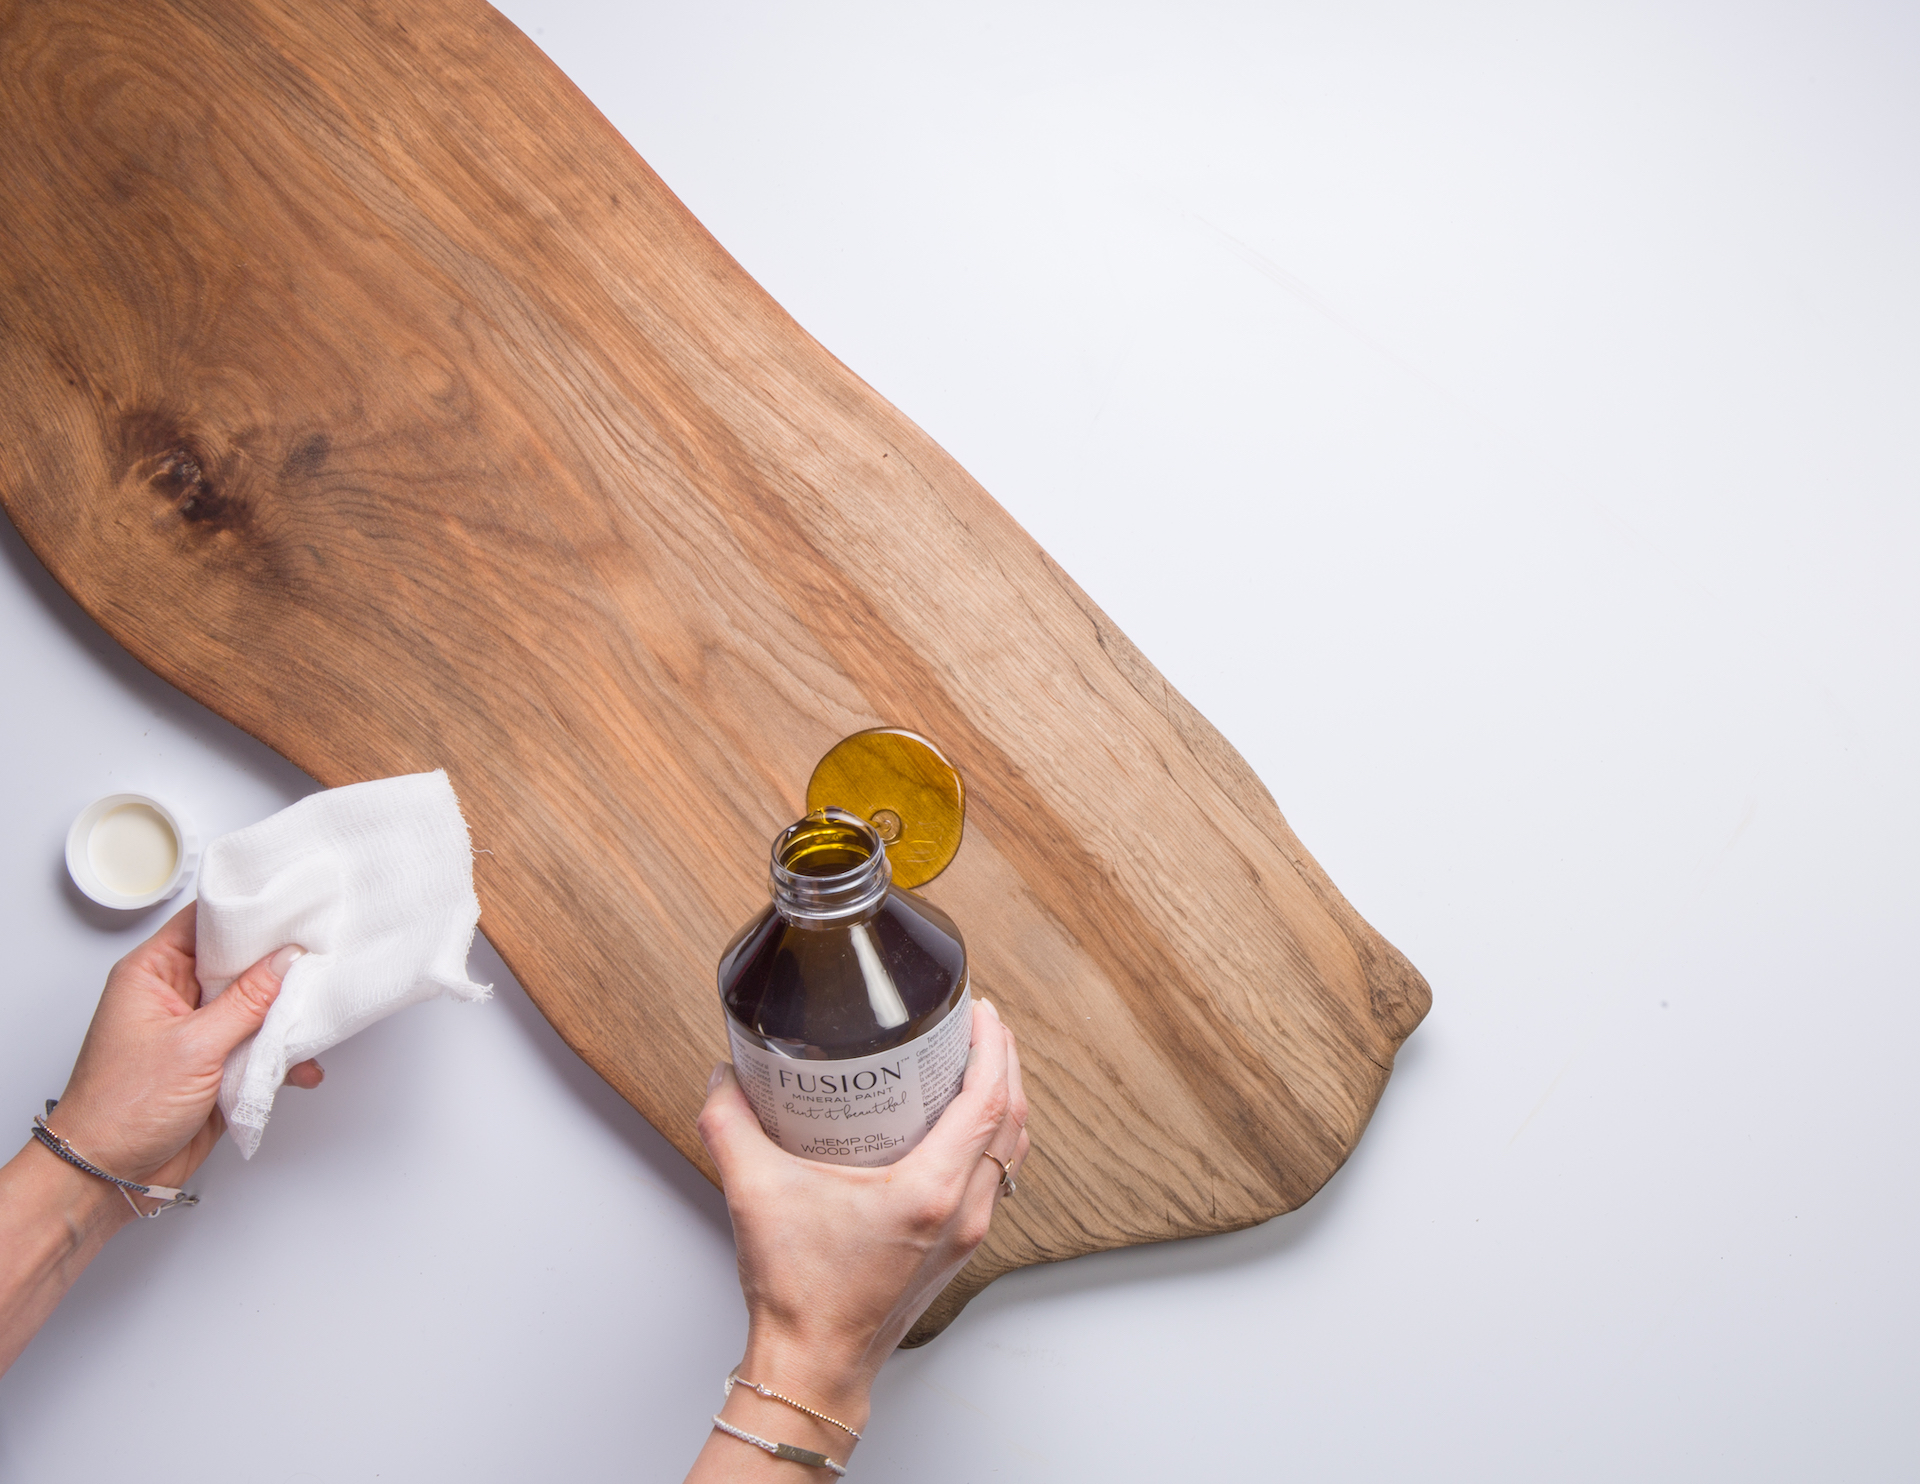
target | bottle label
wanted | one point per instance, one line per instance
(864, 1110)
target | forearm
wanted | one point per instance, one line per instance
(53, 1220)
(839, 1390)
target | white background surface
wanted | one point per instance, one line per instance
(1500, 420)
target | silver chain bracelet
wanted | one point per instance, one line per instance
(128, 1188)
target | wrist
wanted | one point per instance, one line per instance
(819, 1409)
(83, 1209)
(95, 1136)
(827, 1378)
(53, 1219)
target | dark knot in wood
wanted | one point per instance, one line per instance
(177, 467)
(182, 479)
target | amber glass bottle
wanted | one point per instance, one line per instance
(846, 1000)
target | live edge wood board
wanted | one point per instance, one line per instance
(362, 381)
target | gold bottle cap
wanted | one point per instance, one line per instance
(898, 782)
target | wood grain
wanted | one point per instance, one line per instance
(369, 387)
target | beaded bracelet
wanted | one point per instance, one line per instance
(782, 1450)
(734, 1378)
(128, 1188)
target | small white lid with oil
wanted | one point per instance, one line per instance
(131, 851)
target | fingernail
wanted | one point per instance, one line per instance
(713, 1077)
(283, 960)
(987, 1005)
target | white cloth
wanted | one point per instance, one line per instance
(375, 881)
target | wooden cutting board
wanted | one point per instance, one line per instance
(362, 381)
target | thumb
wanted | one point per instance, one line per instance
(243, 1004)
(729, 1127)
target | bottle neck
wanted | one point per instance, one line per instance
(828, 870)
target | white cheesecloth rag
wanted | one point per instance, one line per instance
(375, 881)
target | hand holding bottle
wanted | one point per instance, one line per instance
(837, 1263)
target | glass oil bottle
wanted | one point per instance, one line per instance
(847, 997)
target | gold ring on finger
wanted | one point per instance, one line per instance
(1006, 1171)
